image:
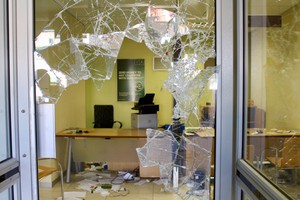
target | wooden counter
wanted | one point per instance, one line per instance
(104, 133)
(91, 133)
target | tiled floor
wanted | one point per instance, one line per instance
(146, 191)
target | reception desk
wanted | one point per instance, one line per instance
(122, 143)
(103, 133)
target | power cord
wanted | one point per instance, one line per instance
(122, 192)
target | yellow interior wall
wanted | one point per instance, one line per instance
(70, 108)
(275, 81)
(283, 95)
(154, 81)
(69, 112)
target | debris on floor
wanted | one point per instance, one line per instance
(105, 183)
(113, 184)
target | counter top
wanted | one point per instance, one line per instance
(103, 133)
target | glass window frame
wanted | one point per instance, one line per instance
(5, 70)
(248, 180)
(22, 100)
(9, 166)
(224, 148)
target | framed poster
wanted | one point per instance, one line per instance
(131, 79)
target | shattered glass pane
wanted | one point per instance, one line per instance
(184, 162)
(82, 41)
(186, 82)
(83, 38)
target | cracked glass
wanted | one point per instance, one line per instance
(78, 40)
(272, 142)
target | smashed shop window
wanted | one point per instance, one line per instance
(82, 41)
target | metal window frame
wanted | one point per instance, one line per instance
(22, 100)
(227, 121)
(225, 143)
(4, 62)
(244, 169)
(9, 168)
(6, 168)
(268, 190)
(22, 40)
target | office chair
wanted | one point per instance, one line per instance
(104, 117)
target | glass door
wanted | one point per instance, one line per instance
(17, 124)
(270, 104)
(9, 171)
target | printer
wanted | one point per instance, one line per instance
(146, 117)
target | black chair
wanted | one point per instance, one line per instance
(104, 117)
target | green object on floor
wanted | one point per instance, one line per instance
(106, 186)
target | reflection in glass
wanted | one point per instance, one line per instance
(246, 197)
(6, 194)
(273, 129)
(4, 108)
